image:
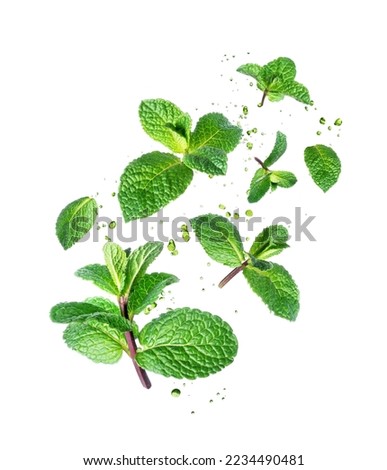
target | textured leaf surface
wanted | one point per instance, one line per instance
(278, 150)
(276, 288)
(284, 179)
(324, 165)
(208, 160)
(100, 276)
(219, 238)
(116, 261)
(270, 242)
(95, 340)
(252, 70)
(75, 220)
(147, 290)
(259, 186)
(186, 343)
(104, 305)
(215, 130)
(139, 261)
(150, 182)
(66, 312)
(298, 91)
(166, 123)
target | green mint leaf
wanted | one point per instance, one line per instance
(278, 150)
(298, 91)
(100, 276)
(95, 340)
(67, 312)
(276, 288)
(186, 343)
(166, 123)
(323, 164)
(284, 179)
(111, 319)
(75, 220)
(252, 70)
(116, 261)
(259, 186)
(215, 130)
(139, 261)
(104, 305)
(147, 290)
(219, 238)
(210, 160)
(270, 242)
(150, 182)
(262, 265)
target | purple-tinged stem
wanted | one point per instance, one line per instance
(261, 163)
(233, 273)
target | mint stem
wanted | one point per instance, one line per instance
(130, 339)
(261, 163)
(233, 273)
(263, 98)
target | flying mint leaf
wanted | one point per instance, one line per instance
(277, 80)
(147, 290)
(210, 160)
(139, 261)
(95, 340)
(104, 305)
(219, 238)
(284, 179)
(260, 185)
(276, 288)
(270, 242)
(186, 343)
(324, 165)
(116, 261)
(166, 123)
(67, 312)
(150, 182)
(278, 150)
(75, 220)
(214, 130)
(100, 276)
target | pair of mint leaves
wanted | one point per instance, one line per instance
(182, 343)
(155, 179)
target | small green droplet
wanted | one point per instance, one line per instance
(259, 105)
(192, 412)
(184, 228)
(322, 120)
(150, 308)
(171, 245)
(255, 130)
(311, 103)
(246, 169)
(211, 401)
(112, 224)
(186, 237)
(249, 213)
(175, 252)
(113, 194)
(318, 132)
(329, 128)
(247, 239)
(338, 122)
(251, 84)
(236, 215)
(176, 392)
(306, 108)
(245, 110)
(248, 132)
(249, 145)
(208, 264)
(101, 206)
(108, 239)
(228, 214)
(222, 206)
(231, 79)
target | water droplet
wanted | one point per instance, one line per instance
(251, 84)
(175, 252)
(108, 239)
(211, 401)
(113, 194)
(247, 239)
(259, 105)
(222, 206)
(249, 213)
(101, 206)
(208, 264)
(249, 145)
(246, 169)
(176, 392)
(248, 132)
(184, 228)
(186, 237)
(255, 130)
(231, 79)
(228, 214)
(236, 215)
(171, 245)
(306, 108)
(311, 103)
(318, 132)
(245, 110)
(329, 128)
(150, 308)
(112, 224)
(338, 122)
(322, 120)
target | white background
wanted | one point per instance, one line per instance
(72, 76)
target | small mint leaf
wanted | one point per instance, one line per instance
(104, 305)
(100, 276)
(208, 160)
(284, 179)
(116, 261)
(67, 312)
(278, 150)
(259, 186)
(270, 242)
(324, 165)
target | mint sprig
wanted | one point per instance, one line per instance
(265, 178)
(155, 179)
(268, 280)
(182, 343)
(277, 80)
(323, 164)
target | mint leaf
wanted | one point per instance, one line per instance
(324, 165)
(95, 340)
(259, 186)
(270, 242)
(276, 288)
(214, 130)
(139, 261)
(186, 343)
(278, 150)
(252, 70)
(284, 179)
(147, 290)
(67, 312)
(219, 238)
(116, 261)
(262, 265)
(75, 220)
(104, 305)
(100, 276)
(166, 123)
(210, 160)
(117, 322)
(150, 182)
(297, 91)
